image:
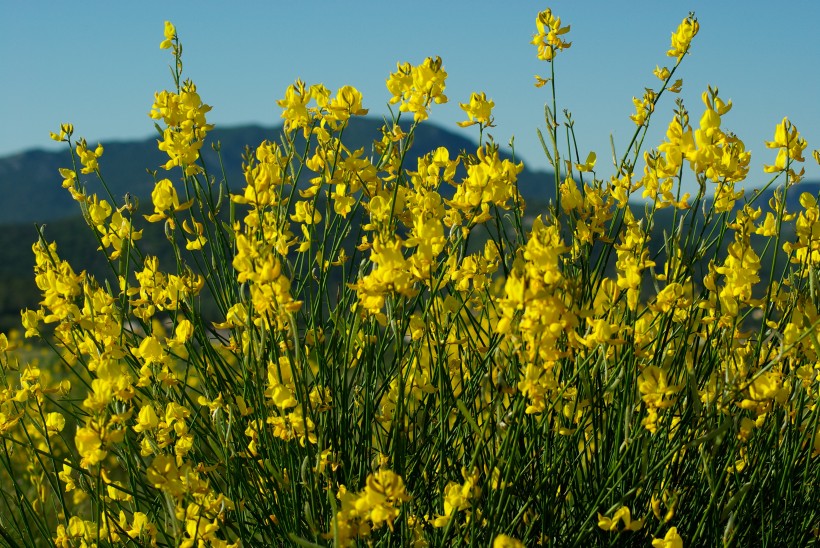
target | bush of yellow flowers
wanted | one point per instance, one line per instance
(406, 356)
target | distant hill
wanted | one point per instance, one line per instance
(31, 187)
(35, 173)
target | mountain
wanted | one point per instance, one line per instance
(31, 185)
(124, 166)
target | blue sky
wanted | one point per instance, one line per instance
(98, 64)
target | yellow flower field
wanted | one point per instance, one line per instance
(408, 355)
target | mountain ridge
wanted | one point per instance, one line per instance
(34, 173)
(125, 162)
(124, 166)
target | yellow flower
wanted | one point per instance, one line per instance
(504, 541)
(490, 180)
(457, 497)
(661, 73)
(30, 320)
(540, 81)
(680, 144)
(55, 422)
(294, 105)
(279, 393)
(740, 270)
(632, 256)
(150, 350)
(88, 157)
(377, 504)
(304, 212)
(600, 332)
(117, 492)
(791, 145)
(66, 477)
(66, 130)
(98, 210)
(479, 110)
(147, 419)
(141, 526)
(548, 39)
(197, 231)
(415, 88)
(170, 34)
(589, 163)
(184, 331)
(348, 102)
(643, 107)
(391, 274)
(89, 446)
(682, 37)
(655, 389)
(7, 422)
(166, 201)
(671, 540)
(621, 514)
(165, 475)
(184, 114)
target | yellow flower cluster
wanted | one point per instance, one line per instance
(683, 36)
(457, 498)
(332, 112)
(548, 39)
(415, 88)
(490, 181)
(790, 149)
(184, 116)
(371, 508)
(479, 111)
(621, 515)
(354, 349)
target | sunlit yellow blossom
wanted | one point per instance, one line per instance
(490, 180)
(457, 498)
(671, 540)
(654, 386)
(644, 107)
(150, 350)
(166, 201)
(294, 105)
(184, 115)
(304, 212)
(416, 87)
(661, 73)
(55, 422)
(790, 144)
(505, 541)
(66, 131)
(622, 514)
(376, 505)
(89, 158)
(633, 259)
(479, 110)
(164, 474)
(347, 103)
(147, 419)
(548, 39)
(589, 163)
(170, 35)
(682, 37)
(90, 446)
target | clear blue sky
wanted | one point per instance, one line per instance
(97, 64)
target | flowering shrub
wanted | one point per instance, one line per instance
(404, 357)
